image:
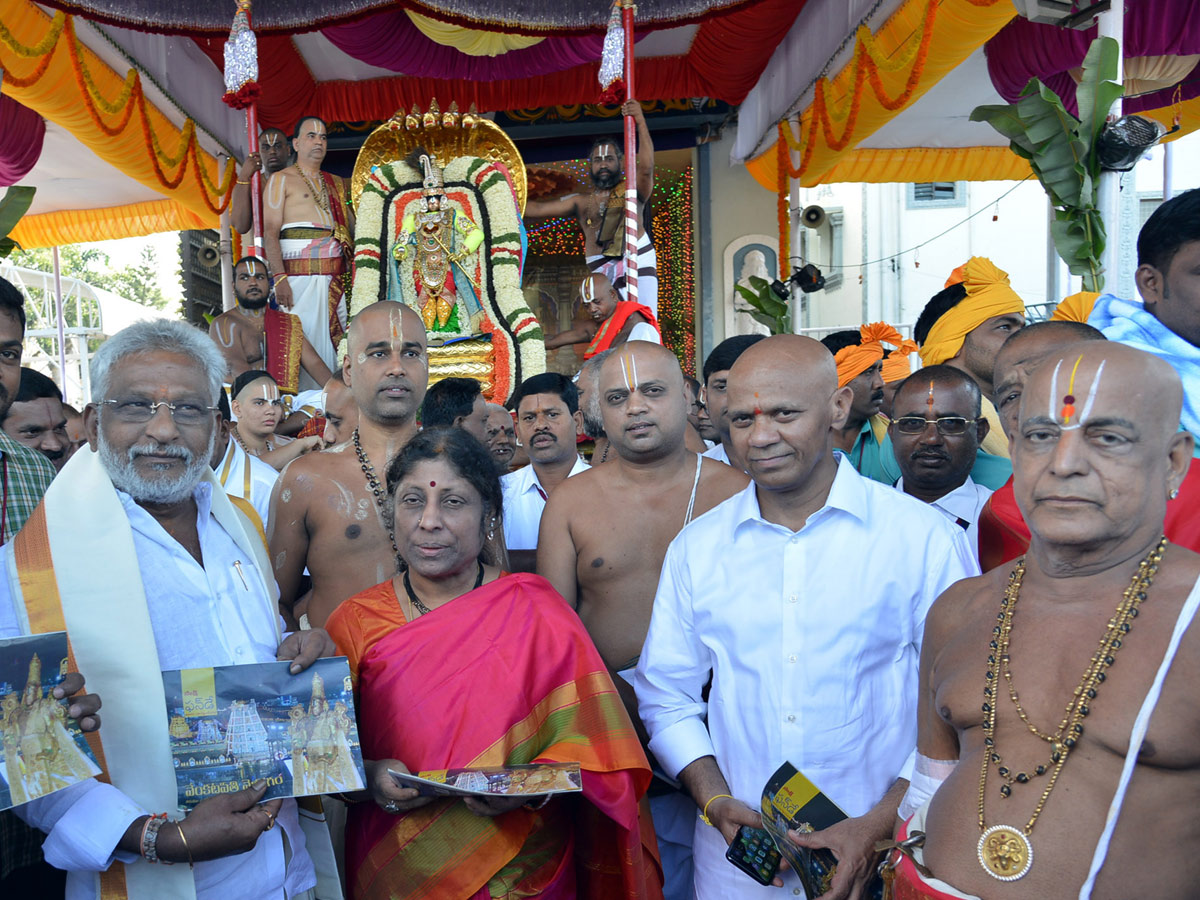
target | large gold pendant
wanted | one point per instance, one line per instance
(1005, 853)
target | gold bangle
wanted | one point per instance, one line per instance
(239, 181)
(179, 828)
(279, 278)
(704, 815)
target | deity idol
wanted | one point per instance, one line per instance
(322, 761)
(433, 244)
(39, 754)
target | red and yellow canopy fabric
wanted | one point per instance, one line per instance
(135, 108)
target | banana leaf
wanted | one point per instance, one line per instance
(13, 205)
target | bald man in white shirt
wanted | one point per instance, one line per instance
(804, 602)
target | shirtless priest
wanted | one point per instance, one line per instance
(327, 507)
(254, 336)
(606, 562)
(1026, 790)
(308, 239)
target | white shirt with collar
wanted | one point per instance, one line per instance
(963, 504)
(201, 616)
(813, 639)
(524, 500)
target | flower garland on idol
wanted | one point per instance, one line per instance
(483, 192)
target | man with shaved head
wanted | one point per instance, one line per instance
(1003, 535)
(327, 508)
(608, 320)
(605, 531)
(936, 429)
(1019, 799)
(812, 654)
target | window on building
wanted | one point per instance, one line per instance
(933, 194)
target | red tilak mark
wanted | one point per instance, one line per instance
(757, 411)
(433, 484)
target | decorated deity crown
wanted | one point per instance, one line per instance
(35, 672)
(432, 184)
(318, 686)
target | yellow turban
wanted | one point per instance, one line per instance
(854, 360)
(1075, 308)
(988, 294)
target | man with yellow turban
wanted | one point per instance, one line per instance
(864, 439)
(964, 326)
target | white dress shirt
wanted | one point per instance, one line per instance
(238, 470)
(963, 504)
(524, 500)
(813, 639)
(201, 616)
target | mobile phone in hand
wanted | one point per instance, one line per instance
(754, 852)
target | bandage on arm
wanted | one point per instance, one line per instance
(928, 776)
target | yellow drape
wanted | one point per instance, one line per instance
(56, 94)
(81, 225)
(470, 41)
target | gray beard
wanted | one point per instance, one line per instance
(146, 490)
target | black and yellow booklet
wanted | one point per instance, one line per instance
(232, 725)
(42, 749)
(790, 802)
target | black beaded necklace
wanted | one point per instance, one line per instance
(377, 490)
(421, 607)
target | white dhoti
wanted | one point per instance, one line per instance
(647, 278)
(313, 262)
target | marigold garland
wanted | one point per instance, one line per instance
(131, 98)
(518, 346)
(865, 67)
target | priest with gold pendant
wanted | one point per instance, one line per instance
(1057, 749)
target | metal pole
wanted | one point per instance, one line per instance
(1112, 24)
(60, 315)
(1168, 172)
(225, 249)
(256, 178)
(631, 193)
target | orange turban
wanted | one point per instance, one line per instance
(1075, 308)
(988, 295)
(854, 360)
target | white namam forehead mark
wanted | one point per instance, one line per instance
(271, 138)
(629, 371)
(270, 391)
(252, 267)
(605, 149)
(1069, 400)
(587, 290)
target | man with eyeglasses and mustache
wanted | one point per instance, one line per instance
(936, 431)
(601, 214)
(136, 551)
(254, 336)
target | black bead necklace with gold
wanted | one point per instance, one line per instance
(1005, 852)
(377, 490)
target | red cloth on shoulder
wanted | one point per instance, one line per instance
(1003, 534)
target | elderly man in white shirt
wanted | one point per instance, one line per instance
(140, 556)
(937, 427)
(804, 598)
(548, 422)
